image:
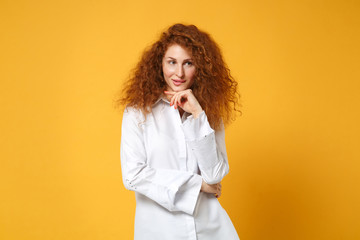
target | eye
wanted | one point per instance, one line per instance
(172, 62)
(189, 63)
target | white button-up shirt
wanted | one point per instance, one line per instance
(164, 159)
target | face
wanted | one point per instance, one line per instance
(178, 68)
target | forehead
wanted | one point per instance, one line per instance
(177, 51)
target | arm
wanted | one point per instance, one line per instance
(174, 190)
(208, 148)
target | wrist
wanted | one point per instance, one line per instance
(197, 112)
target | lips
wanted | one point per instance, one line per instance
(178, 82)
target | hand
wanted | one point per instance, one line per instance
(186, 100)
(211, 188)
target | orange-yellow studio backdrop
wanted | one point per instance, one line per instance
(294, 153)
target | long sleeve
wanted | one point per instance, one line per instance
(173, 189)
(208, 147)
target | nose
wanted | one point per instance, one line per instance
(180, 71)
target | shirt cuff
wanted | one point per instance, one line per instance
(196, 128)
(187, 196)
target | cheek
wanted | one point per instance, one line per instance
(168, 71)
(191, 73)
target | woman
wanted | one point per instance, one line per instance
(172, 145)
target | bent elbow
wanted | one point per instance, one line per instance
(216, 175)
(132, 177)
(128, 184)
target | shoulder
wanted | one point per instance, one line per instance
(132, 114)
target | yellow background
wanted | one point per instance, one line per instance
(294, 154)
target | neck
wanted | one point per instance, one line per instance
(181, 111)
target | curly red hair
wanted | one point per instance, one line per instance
(213, 86)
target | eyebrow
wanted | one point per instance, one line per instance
(187, 59)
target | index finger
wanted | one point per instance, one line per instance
(169, 92)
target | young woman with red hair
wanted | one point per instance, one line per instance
(173, 152)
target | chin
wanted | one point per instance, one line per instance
(179, 88)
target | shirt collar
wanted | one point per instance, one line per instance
(162, 98)
(165, 100)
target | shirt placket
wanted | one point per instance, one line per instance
(190, 222)
(181, 142)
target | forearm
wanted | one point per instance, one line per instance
(207, 147)
(172, 189)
